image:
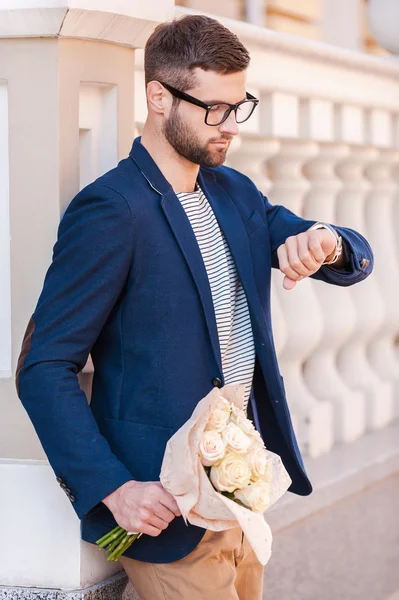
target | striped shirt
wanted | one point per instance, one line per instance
(229, 300)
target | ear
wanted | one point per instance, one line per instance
(156, 97)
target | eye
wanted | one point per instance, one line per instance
(216, 113)
(244, 111)
(219, 108)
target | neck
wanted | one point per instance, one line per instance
(181, 173)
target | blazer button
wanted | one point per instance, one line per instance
(217, 382)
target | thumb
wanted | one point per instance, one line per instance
(288, 284)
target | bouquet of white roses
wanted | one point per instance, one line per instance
(235, 458)
(220, 473)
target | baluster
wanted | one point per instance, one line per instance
(352, 360)
(382, 234)
(250, 157)
(303, 317)
(320, 370)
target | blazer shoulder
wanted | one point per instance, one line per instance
(114, 186)
(123, 178)
(94, 208)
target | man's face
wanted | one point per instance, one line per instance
(185, 128)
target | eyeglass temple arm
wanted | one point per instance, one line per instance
(184, 96)
(250, 97)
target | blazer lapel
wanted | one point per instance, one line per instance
(185, 237)
(235, 233)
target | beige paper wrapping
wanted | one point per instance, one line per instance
(183, 476)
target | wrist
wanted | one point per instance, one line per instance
(336, 253)
(110, 500)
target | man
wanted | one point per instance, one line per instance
(161, 271)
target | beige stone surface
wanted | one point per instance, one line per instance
(349, 551)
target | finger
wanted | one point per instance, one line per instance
(284, 265)
(295, 262)
(147, 529)
(288, 283)
(170, 503)
(306, 256)
(315, 247)
(157, 522)
(164, 513)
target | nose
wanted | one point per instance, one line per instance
(230, 125)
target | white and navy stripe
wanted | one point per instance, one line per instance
(229, 299)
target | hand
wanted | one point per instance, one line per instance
(303, 254)
(142, 506)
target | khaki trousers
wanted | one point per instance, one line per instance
(222, 567)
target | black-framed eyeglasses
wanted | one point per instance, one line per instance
(218, 112)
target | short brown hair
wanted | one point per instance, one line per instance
(176, 48)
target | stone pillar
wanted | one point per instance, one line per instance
(382, 235)
(339, 316)
(383, 21)
(352, 360)
(341, 23)
(66, 105)
(5, 266)
(301, 309)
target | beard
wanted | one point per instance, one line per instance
(186, 143)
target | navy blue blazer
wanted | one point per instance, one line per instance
(127, 284)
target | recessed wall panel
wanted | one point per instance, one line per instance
(5, 271)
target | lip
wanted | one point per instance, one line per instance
(220, 143)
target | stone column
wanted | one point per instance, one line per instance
(5, 262)
(250, 156)
(66, 104)
(382, 235)
(339, 315)
(352, 359)
(301, 309)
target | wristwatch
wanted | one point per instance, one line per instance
(338, 240)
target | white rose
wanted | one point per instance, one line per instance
(256, 440)
(219, 416)
(231, 473)
(239, 418)
(257, 462)
(212, 447)
(235, 438)
(256, 496)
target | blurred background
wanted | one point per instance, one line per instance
(324, 142)
(343, 23)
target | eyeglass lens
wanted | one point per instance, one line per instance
(217, 113)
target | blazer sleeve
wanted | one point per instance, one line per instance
(90, 264)
(283, 223)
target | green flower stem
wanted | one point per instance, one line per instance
(109, 537)
(125, 547)
(115, 543)
(114, 530)
(118, 548)
(128, 542)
